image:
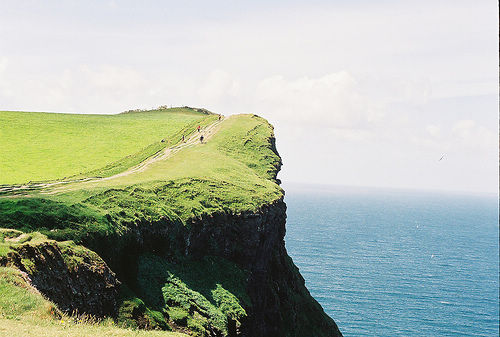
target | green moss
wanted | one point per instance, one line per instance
(6, 233)
(198, 325)
(133, 313)
(178, 315)
(227, 303)
(201, 295)
(29, 265)
(12, 239)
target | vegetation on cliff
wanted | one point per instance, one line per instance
(232, 172)
(183, 235)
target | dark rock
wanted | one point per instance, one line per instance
(73, 277)
(281, 304)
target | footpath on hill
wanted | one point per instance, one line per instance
(193, 139)
(58, 186)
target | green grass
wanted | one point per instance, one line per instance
(44, 328)
(199, 294)
(25, 312)
(10, 239)
(238, 153)
(234, 171)
(19, 298)
(37, 146)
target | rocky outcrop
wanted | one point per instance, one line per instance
(273, 297)
(73, 277)
(281, 305)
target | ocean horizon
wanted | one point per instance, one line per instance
(393, 262)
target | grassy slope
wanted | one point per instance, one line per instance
(24, 312)
(44, 328)
(39, 146)
(234, 171)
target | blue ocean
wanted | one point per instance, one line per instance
(398, 263)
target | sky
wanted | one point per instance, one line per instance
(361, 93)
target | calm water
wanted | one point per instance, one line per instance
(391, 263)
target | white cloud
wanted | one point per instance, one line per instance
(351, 135)
(433, 130)
(108, 77)
(5, 90)
(219, 85)
(464, 128)
(397, 59)
(474, 136)
(333, 100)
(3, 64)
(462, 137)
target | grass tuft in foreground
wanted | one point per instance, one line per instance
(25, 312)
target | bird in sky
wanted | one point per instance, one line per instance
(441, 158)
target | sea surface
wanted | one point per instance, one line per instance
(398, 263)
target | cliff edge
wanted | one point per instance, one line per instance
(189, 240)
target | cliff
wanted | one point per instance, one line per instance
(198, 250)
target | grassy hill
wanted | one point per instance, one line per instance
(180, 235)
(36, 146)
(233, 170)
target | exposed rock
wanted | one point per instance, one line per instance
(281, 304)
(73, 277)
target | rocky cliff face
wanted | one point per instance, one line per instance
(219, 274)
(254, 241)
(281, 304)
(74, 278)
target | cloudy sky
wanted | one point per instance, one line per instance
(363, 93)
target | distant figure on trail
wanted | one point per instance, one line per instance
(201, 139)
(183, 139)
(219, 117)
(198, 128)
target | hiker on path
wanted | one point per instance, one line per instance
(198, 128)
(183, 139)
(201, 139)
(219, 117)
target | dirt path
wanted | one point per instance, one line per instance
(192, 140)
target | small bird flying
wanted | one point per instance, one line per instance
(441, 158)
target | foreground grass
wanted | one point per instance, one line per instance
(25, 312)
(233, 171)
(37, 146)
(27, 327)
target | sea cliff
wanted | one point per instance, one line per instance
(200, 252)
